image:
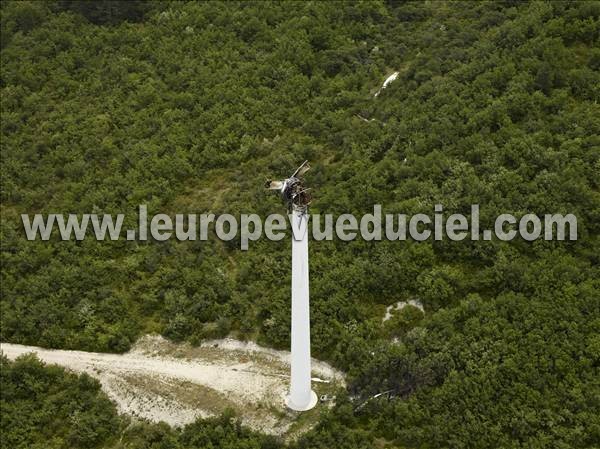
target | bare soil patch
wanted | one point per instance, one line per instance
(160, 380)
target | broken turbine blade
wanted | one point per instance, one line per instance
(301, 170)
(274, 185)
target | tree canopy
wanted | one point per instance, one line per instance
(189, 107)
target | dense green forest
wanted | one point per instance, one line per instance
(189, 107)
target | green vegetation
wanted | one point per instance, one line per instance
(186, 107)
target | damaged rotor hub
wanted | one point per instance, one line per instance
(292, 190)
(295, 194)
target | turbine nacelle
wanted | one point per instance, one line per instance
(292, 189)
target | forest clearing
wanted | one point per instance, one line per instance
(178, 383)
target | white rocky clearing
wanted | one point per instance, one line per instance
(176, 383)
(389, 310)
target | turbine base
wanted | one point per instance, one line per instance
(302, 408)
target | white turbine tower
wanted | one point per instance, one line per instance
(297, 198)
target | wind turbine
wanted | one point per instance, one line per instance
(297, 198)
